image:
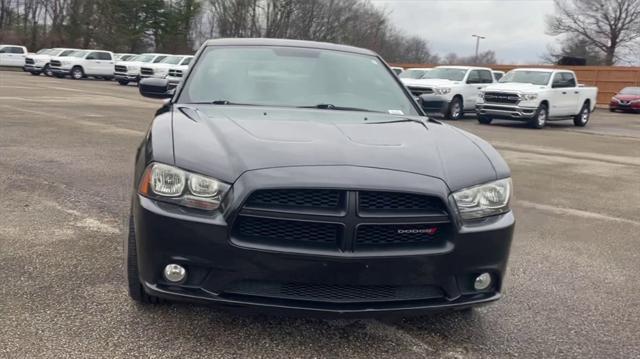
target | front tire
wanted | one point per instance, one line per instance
(582, 118)
(539, 119)
(123, 82)
(456, 110)
(485, 120)
(47, 71)
(136, 291)
(35, 73)
(77, 73)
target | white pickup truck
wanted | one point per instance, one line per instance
(39, 63)
(450, 90)
(12, 55)
(129, 71)
(83, 63)
(161, 69)
(537, 96)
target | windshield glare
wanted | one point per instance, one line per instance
(43, 52)
(172, 60)
(446, 74)
(80, 53)
(634, 91)
(412, 74)
(295, 77)
(527, 77)
(145, 58)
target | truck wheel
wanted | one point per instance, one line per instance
(35, 73)
(123, 82)
(485, 120)
(136, 292)
(539, 119)
(582, 118)
(47, 71)
(77, 73)
(455, 110)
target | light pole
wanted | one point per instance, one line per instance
(478, 38)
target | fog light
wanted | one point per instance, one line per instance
(483, 281)
(175, 273)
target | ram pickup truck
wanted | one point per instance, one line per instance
(84, 63)
(450, 90)
(12, 55)
(40, 62)
(161, 69)
(129, 71)
(176, 73)
(537, 96)
(291, 175)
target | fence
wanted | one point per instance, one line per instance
(608, 79)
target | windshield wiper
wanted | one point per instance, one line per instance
(328, 106)
(420, 121)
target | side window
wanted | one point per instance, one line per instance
(569, 79)
(558, 81)
(104, 56)
(4, 50)
(92, 56)
(158, 59)
(474, 77)
(486, 77)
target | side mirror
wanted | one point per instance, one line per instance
(155, 88)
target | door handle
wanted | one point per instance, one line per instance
(576, 92)
(564, 92)
(479, 88)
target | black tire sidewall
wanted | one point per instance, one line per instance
(75, 71)
(534, 121)
(450, 112)
(578, 119)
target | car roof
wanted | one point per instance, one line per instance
(288, 43)
(465, 67)
(533, 69)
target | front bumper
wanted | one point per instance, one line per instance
(33, 68)
(60, 71)
(119, 76)
(627, 106)
(506, 112)
(225, 270)
(435, 104)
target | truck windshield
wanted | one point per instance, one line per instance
(145, 58)
(295, 77)
(172, 60)
(80, 53)
(412, 74)
(527, 77)
(446, 74)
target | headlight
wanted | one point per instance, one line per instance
(441, 90)
(481, 95)
(529, 96)
(485, 200)
(171, 184)
(614, 99)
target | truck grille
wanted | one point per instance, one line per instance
(175, 73)
(417, 91)
(120, 68)
(29, 61)
(147, 71)
(55, 63)
(340, 220)
(336, 293)
(501, 97)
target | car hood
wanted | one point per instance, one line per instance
(226, 141)
(132, 63)
(514, 86)
(432, 82)
(627, 97)
(39, 57)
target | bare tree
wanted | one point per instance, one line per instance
(608, 25)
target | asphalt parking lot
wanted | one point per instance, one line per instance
(66, 155)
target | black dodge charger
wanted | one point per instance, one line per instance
(302, 176)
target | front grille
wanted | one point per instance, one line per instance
(293, 198)
(407, 203)
(146, 71)
(501, 97)
(175, 73)
(29, 61)
(337, 293)
(373, 235)
(277, 231)
(55, 63)
(120, 68)
(341, 220)
(417, 91)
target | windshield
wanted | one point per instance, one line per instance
(186, 61)
(66, 53)
(43, 51)
(634, 91)
(412, 74)
(446, 73)
(295, 77)
(126, 57)
(80, 53)
(527, 77)
(145, 58)
(172, 60)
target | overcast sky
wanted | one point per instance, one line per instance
(515, 29)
